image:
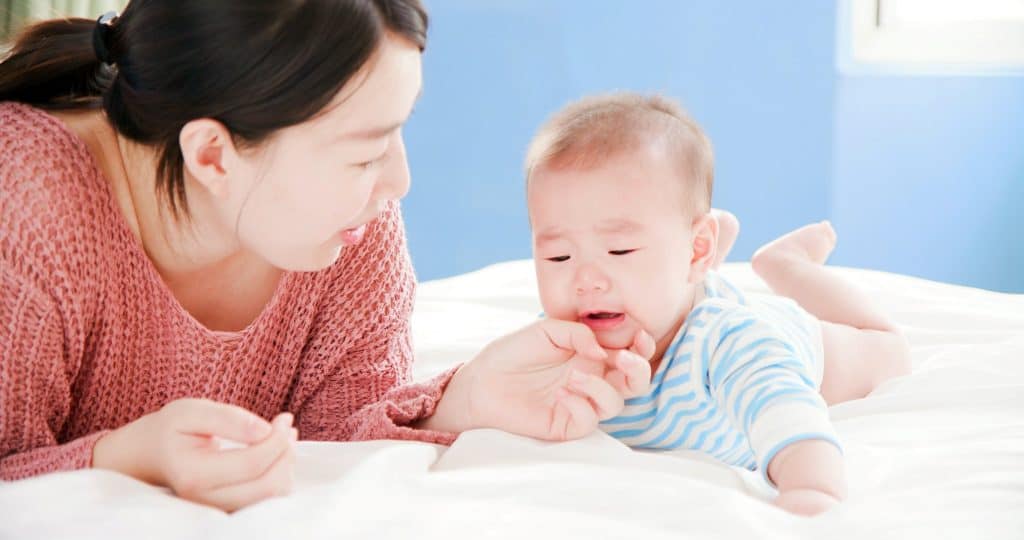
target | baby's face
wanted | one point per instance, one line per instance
(612, 247)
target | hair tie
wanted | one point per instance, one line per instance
(101, 35)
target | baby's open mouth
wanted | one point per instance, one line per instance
(603, 320)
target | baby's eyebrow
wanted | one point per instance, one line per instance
(607, 227)
(548, 235)
(618, 226)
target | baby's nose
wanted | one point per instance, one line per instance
(591, 280)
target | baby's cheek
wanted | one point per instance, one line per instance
(553, 304)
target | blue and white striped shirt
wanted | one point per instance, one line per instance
(739, 382)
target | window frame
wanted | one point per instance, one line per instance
(969, 47)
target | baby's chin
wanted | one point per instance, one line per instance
(618, 339)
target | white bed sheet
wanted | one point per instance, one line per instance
(939, 454)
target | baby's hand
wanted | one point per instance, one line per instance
(810, 475)
(805, 502)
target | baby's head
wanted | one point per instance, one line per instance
(619, 193)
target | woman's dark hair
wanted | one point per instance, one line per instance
(256, 66)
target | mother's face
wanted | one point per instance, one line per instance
(313, 186)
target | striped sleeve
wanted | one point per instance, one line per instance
(761, 379)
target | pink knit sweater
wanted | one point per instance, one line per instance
(91, 338)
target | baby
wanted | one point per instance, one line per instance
(625, 241)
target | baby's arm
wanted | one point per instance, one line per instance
(810, 475)
(762, 379)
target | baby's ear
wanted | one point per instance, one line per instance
(705, 242)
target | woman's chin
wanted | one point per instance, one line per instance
(322, 258)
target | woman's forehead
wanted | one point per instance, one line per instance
(380, 97)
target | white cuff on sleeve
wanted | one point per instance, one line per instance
(781, 425)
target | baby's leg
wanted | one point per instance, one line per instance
(728, 230)
(858, 360)
(862, 346)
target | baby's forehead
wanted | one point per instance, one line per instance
(634, 172)
(558, 215)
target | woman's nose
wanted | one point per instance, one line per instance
(394, 182)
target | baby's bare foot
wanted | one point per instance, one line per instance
(728, 230)
(815, 242)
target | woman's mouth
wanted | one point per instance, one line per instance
(353, 236)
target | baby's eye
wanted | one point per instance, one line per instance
(621, 251)
(560, 258)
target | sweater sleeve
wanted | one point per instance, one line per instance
(356, 379)
(35, 385)
(369, 396)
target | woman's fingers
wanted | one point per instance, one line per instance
(633, 374)
(219, 468)
(619, 381)
(573, 416)
(575, 338)
(643, 345)
(274, 482)
(606, 401)
(591, 383)
(205, 417)
(635, 364)
(631, 368)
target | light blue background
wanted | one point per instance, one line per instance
(921, 175)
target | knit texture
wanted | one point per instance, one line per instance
(91, 338)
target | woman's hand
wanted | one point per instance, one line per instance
(178, 447)
(550, 380)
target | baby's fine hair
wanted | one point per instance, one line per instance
(589, 132)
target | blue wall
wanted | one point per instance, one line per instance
(795, 140)
(929, 177)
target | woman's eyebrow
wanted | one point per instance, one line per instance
(382, 131)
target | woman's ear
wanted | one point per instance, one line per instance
(705, 241)
(207, 149)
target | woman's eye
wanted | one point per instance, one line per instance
(560, 258)
(621, 251)
(370, 163)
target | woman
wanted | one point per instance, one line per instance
(200, 232)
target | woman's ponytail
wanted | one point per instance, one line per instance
(54, 65)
